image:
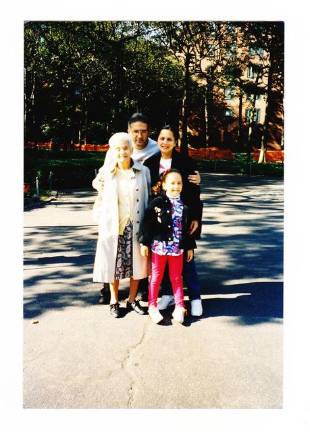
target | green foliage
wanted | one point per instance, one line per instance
(69, 169)
(242, 165)
(77, 169)
(84, 79)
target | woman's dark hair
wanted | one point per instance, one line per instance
(171, 129)
(139, 117)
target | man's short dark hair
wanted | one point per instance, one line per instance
(139, 117)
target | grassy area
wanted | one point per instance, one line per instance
(69, 169)
(241, 165)
(77, 169)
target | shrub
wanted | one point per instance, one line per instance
(241, 165)
(70, 169)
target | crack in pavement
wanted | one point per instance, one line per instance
(126, 361)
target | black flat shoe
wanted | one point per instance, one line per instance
(135, 305)
(114, 310)
(105, 295)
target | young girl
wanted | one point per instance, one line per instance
(124, 191)
(165, 230)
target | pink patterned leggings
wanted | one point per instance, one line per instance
(175, 264)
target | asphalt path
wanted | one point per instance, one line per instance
(77, 356)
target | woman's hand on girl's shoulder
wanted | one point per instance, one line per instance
(195, 178)
(193, 226)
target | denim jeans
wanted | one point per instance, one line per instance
(190, 280)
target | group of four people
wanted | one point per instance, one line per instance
(149, 211)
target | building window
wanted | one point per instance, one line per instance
(250, 97)
(228, 93)
(232, 51)
(248, 115)
(252, 72)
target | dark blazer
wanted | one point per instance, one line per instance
(157, 224)
(190, 193)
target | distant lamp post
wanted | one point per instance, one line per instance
(37, 183)
(37, 186)
(50, 180)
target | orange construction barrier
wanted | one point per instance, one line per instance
(209, 153)
(271, 155)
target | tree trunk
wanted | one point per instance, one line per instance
(84, 114)
(240, 133)
(185, 111)
(262, 158)
(252, 119)
(119, 83)
(33, 114)
(205, 122)
(25, 102)
(85, 126)
(250, 136)
(79, 137)
(253, 112)
(210, 108)
(262, 152)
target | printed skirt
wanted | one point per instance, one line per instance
(123, 266)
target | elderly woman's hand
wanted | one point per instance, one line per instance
(98, 182)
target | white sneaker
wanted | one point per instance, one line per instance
(178, 314)
(165, 301)
(155, 315)
(196, 307)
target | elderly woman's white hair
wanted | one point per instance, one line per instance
(120, 137)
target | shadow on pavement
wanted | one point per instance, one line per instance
(239, 258)
(252, 302)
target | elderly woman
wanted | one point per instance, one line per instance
(123, 187)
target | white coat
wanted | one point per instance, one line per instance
(106, 213)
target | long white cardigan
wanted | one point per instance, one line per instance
(106, 214)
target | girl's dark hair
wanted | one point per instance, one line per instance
(157, 188)
(165, 174)
(170, 128)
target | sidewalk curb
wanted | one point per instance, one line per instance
(37, 203)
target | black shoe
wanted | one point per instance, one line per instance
(105, 295)
(114, 310)
(135, 305)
